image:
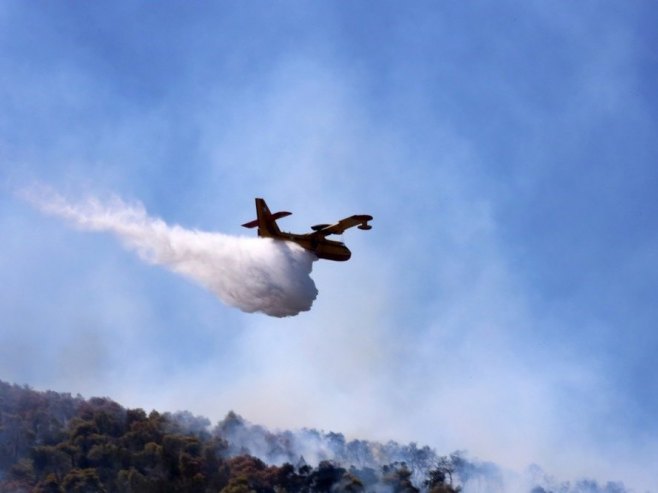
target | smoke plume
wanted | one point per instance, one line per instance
(311, 446)
(252, 274)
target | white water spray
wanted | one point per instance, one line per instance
(252, 274)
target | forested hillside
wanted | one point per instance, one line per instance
(51, 442)
(54, 442)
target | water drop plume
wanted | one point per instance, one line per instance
(252, 274)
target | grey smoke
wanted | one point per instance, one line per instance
(252, 274)
(313, 446)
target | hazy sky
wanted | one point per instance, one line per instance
(504, 301)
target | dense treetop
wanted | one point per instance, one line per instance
(54, 442)
(51, 442)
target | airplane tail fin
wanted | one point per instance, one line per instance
(266, 221)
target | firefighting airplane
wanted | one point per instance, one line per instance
(316, 241)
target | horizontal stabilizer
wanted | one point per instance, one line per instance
(266, 216)
(279, 215)
(251, 224)
(319, 227)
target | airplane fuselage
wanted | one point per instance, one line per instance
(321, 247)
(316, 241)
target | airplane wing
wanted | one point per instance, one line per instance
(349, 222)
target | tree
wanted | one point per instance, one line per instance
(325, 476)
(258, 475)
(132, 481)
(238, 484)
(47, 460)
(446, 467)
(82, 481)
(349, 484)
(49, 485)
(398, 477)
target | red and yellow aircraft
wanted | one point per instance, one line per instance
(316, 241)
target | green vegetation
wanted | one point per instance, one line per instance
(52, 442)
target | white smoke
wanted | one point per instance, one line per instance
(252, 274)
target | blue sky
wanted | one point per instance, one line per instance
(504, 301)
